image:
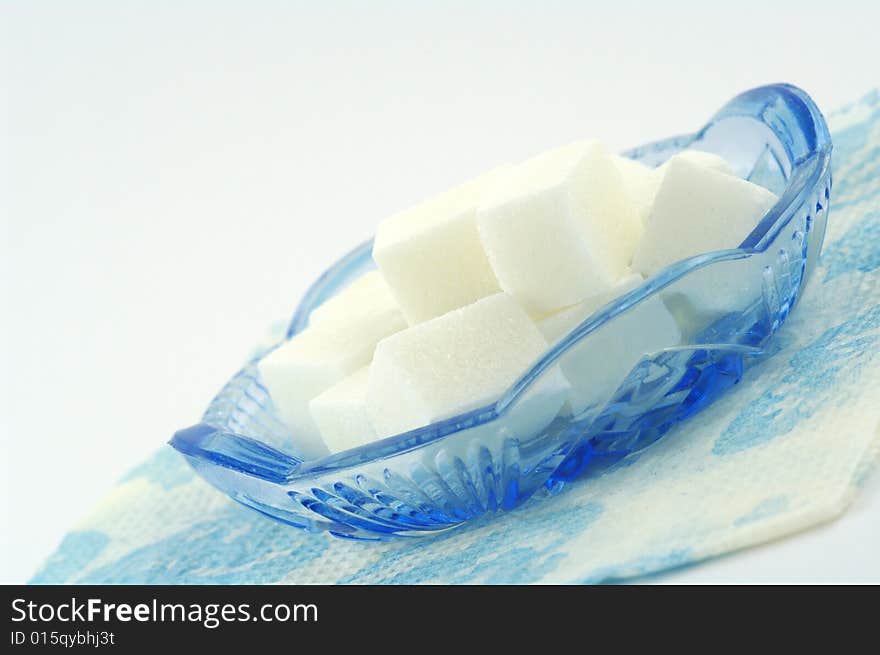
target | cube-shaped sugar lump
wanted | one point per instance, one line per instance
(598, 363)
(431, 255)
(705, 295)
(458, 362)
(341, 413)
(557, 325)
(315, 360)
(642, 182)
(702, 158)
(559, 228)
(366, 296)
(698, 210)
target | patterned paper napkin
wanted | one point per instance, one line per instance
(786, 450)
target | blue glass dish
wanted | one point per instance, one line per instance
(439, 476)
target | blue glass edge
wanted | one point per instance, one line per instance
(204, 441)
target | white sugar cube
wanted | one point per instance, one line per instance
(431, 255)
(367, 295)
(458, 362)
(316, 359)
(559, 228)
(706, 294)
(701, 158)
(557, 325)
(341, 413)
(599, 362)
(698, 210)
(642, 182)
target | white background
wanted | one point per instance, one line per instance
(175, 174)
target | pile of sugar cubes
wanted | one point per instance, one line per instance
(473, 286)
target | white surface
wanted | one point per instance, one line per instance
(172, 180)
